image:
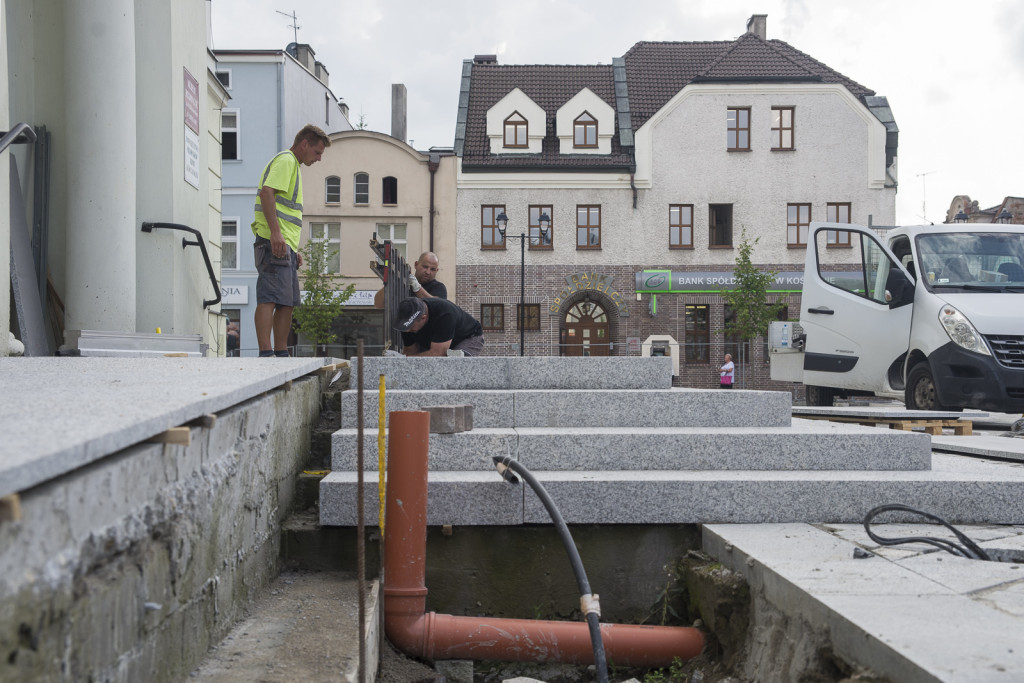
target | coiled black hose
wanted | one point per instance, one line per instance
(969, 549)
(588, 601)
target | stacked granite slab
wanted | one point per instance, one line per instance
(614, 443)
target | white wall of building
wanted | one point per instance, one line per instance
(839, 156)
(107, 81)
(681, 155)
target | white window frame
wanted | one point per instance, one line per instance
(327, 189)
(224, 239)
(386, 231)
(320, 233)
(231, 79)
(355, 188)
(237, 130)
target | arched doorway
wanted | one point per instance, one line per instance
(585, 330)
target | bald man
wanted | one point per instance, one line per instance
(422, 283)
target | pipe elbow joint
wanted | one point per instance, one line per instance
(407, 633)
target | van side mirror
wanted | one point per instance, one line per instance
(899, 289)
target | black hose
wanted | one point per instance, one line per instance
(969, 549)
(592, 613)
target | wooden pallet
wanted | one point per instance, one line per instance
(960, 427)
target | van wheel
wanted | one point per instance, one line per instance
(820, 396)
(920, 392)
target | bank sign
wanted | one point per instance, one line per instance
(679, 282)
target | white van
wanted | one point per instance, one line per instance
(934, 315)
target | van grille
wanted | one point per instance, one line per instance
(1009, 350)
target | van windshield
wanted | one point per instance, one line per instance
(972, 261)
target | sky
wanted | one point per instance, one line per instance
(953, 71)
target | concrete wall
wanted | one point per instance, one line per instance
(130, 568)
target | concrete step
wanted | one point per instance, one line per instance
(961, 490)
(520, 372)
(807, 445)
(907, 612)
(637, 408)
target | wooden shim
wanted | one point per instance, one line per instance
(206, 421)
(10, 508)
(181, 436)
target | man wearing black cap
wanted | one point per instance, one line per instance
(430, 327)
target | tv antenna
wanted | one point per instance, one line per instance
(295, 22)
(924, 193)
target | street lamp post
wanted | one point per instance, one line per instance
(545, 223)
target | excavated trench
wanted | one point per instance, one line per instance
(645, 574)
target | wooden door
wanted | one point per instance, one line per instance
(585, 331)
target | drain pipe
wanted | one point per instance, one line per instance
(443, 636)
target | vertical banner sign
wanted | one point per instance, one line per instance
(191, 130)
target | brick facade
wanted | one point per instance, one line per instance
(499, 284)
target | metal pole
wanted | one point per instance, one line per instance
(522, 293)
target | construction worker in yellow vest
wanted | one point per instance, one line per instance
(278, 225)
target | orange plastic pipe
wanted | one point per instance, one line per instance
(443, 636)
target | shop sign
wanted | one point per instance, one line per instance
(234, 294)
(673, 281)
(589, 281)
(361, 297)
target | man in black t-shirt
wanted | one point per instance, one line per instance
(430, 327)
(422, 281)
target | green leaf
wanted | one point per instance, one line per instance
(321, 303)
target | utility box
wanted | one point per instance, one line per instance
(662, 345)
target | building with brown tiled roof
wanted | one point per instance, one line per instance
(651, 170)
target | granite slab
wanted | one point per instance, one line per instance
(926, 616)
(989, 445)
(60, 413)
(885, 412)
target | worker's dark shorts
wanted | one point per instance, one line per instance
(277, 281)
(471, 346)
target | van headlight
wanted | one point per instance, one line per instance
(961, 331)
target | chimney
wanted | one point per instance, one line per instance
(485, 59)
(305, 56)
(398, 97)
(758, 25)
(321, 73)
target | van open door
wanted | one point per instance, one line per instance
(856, 315)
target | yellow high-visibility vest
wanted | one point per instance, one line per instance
(282, 173)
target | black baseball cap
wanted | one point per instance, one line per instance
(409, 311)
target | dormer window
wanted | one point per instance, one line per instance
(516, 128)
(585, 124)
(585, 131)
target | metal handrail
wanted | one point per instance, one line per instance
(14, 136)
(148, 227)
